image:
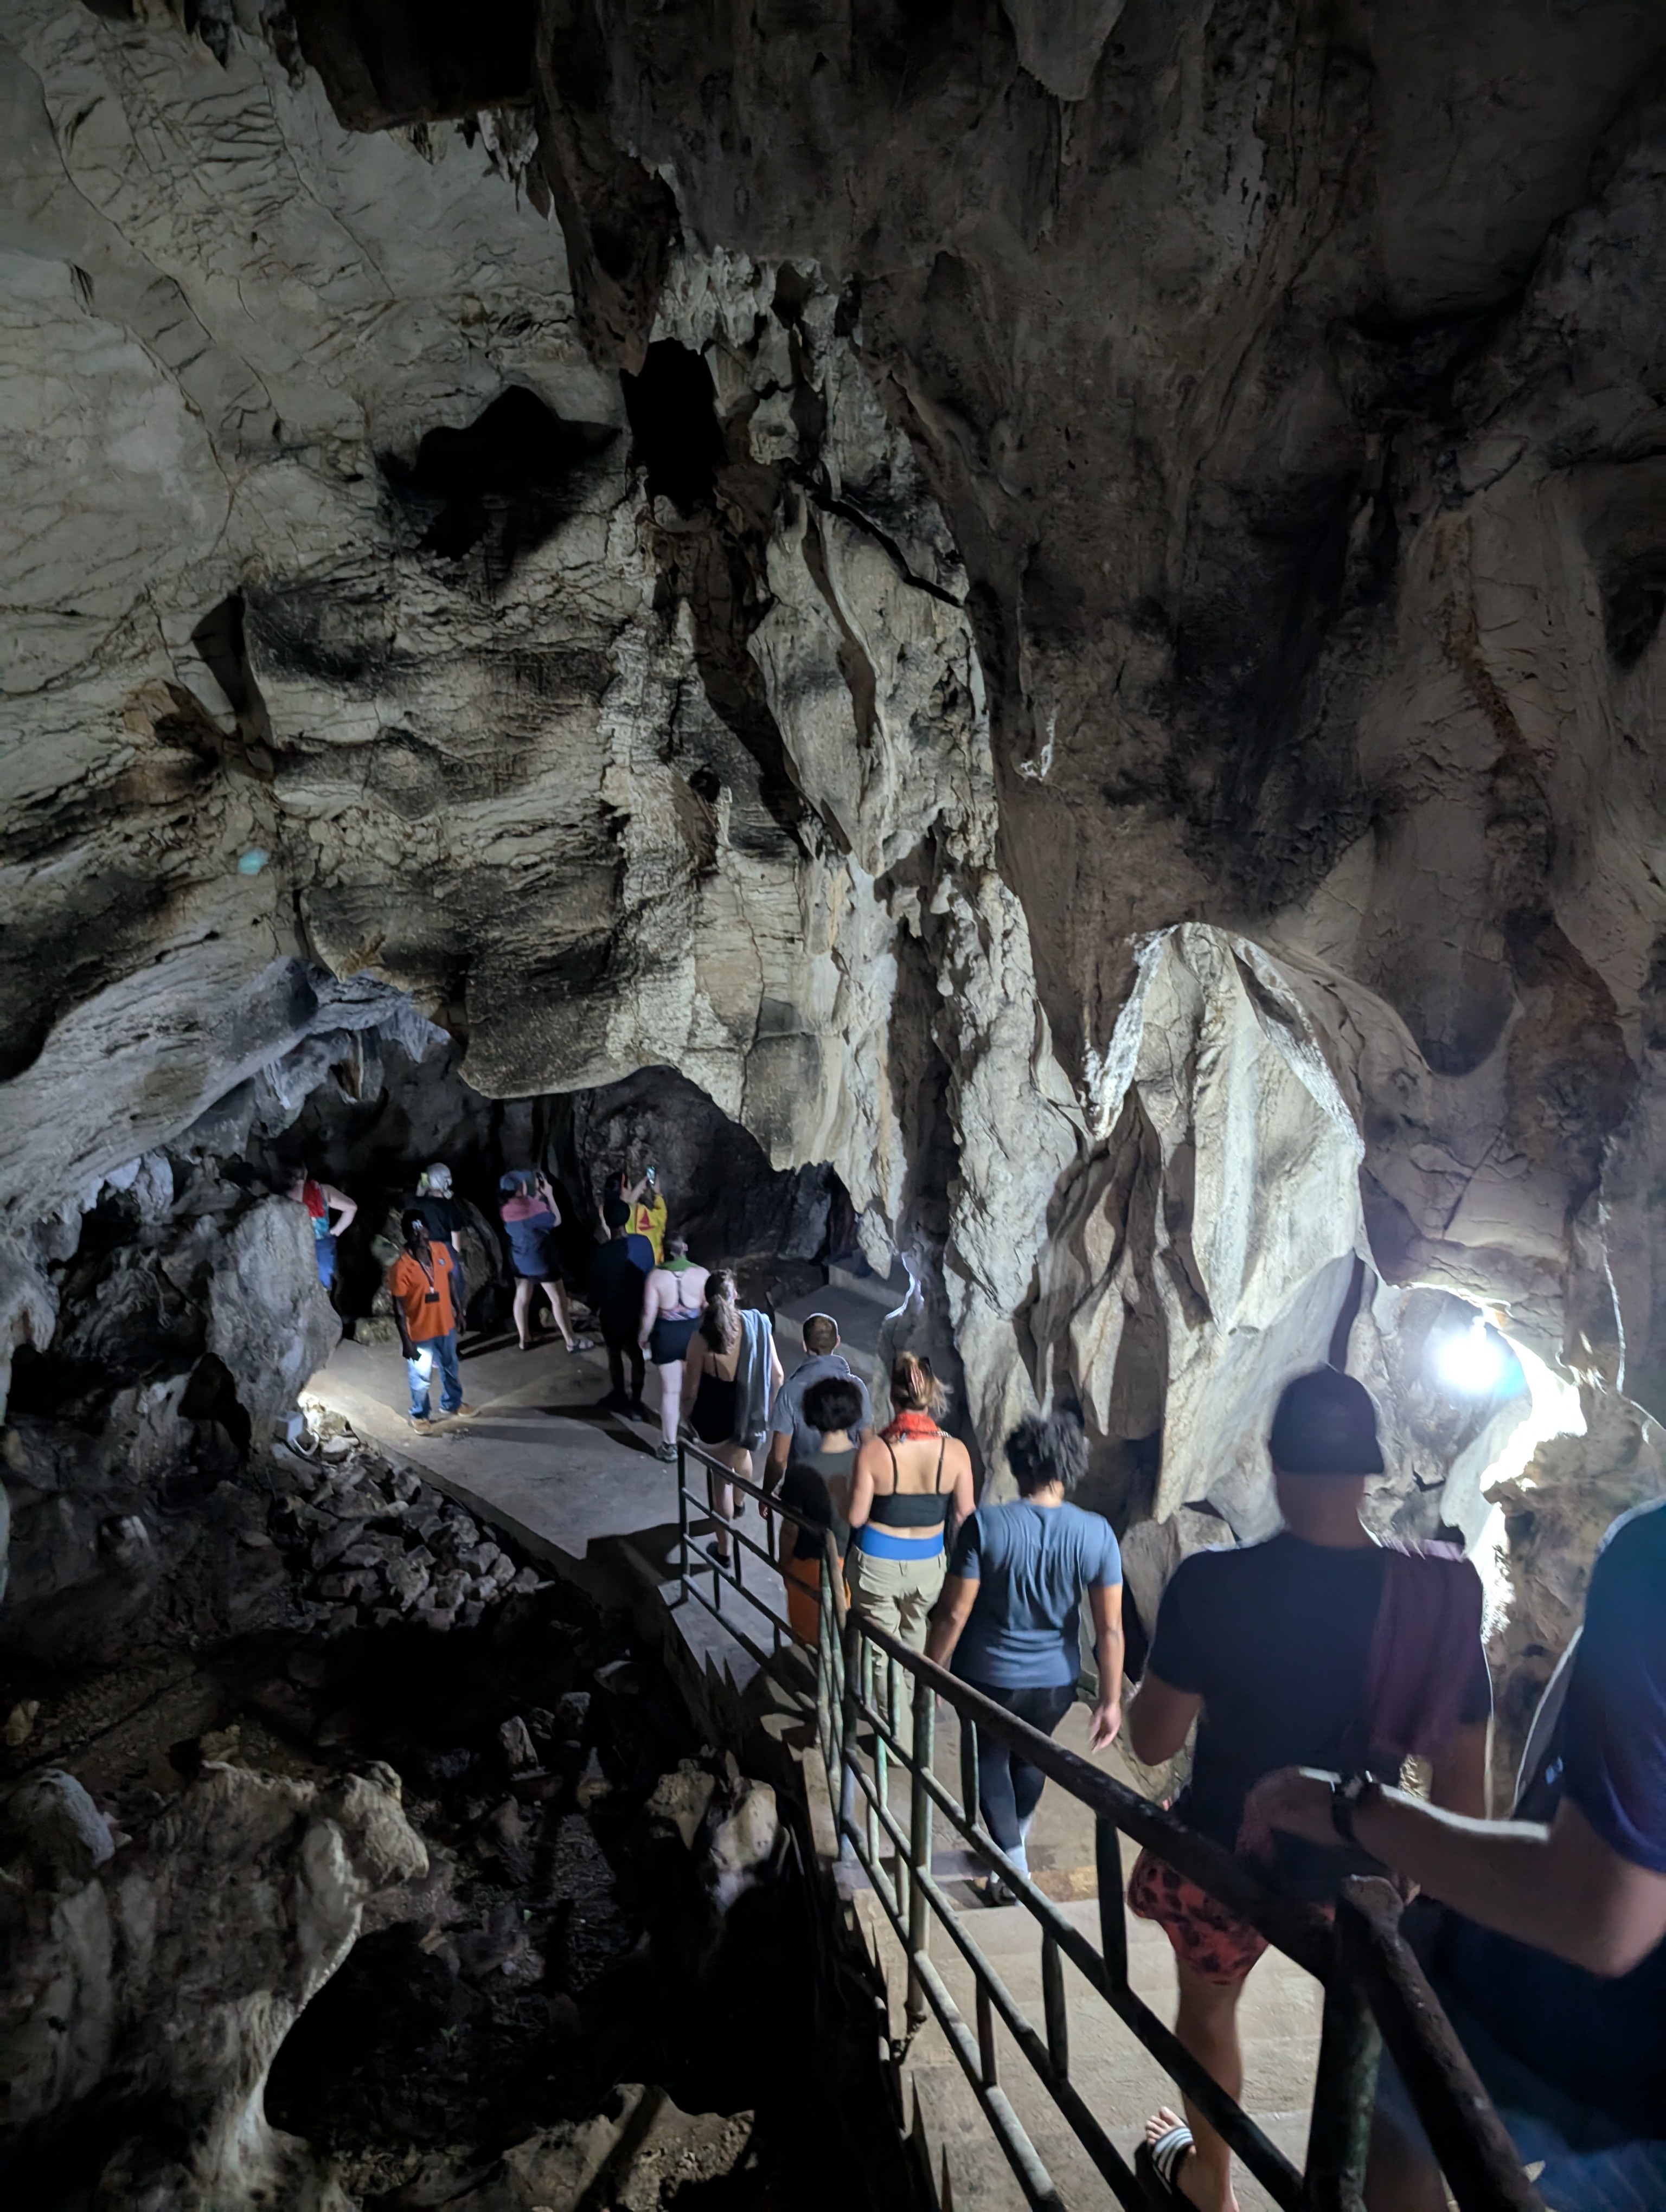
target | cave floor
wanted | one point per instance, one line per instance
(541, 1461)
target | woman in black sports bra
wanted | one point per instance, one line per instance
(909, 1480)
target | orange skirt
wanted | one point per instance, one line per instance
(803, 1578)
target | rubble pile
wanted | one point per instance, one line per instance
(372, 1544)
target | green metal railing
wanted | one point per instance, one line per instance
(871, 1732)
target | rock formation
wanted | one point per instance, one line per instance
(169, 1989)
(1057, 607)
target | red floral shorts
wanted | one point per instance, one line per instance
(1211, 1942)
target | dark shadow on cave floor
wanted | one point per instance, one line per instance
(577, 1951)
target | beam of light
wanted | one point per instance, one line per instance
(1471, 1360)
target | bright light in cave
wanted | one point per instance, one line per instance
(1471, 1360)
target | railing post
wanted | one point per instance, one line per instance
(881, 1755)
(850, 1724)
(823, 1655)
(682, 1525)
(1053, 2009)
(1113, 1922)
(1344, 2094)
(919, 1841)
(971, 1781)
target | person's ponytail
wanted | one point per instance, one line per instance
(914, 1388)
(720, 1323)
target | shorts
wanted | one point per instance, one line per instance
(671, 1340)
(1210, 1941)
(324, 1251)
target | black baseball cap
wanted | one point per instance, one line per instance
(1326, 1424)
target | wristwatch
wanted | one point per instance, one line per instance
(1347, 1793)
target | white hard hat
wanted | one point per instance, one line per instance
(437, 1179)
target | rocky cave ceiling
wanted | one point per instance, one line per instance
(1059, 606)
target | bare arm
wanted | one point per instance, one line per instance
(694, 1366)
(405, 1345)
(1106, 1604)
(777, 1372)
(1458, 1782)
(339, 1204)
(781, 1452)
(1561, 1889)
(952, 1611)
(650, 1313)
(547, 1193)
(861, 1487)
(1158, 1717)
(962, 1502)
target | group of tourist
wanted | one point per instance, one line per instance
(1306, 1670)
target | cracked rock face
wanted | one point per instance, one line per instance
(169, 1982)
(1058, 606)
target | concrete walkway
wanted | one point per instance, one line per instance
(542, 1461)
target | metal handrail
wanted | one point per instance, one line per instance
(1375, 1992)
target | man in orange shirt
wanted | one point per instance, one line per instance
(419, 1283)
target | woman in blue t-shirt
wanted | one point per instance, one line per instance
(531, 1218)
(1008, 1618)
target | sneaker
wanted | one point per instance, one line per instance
(465, 1411)
(583, 1344)
(636, 1411)
(419, 1420)
(666, 1452)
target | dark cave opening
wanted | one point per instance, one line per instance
(503, 484)
(674, 431)
(775, 1227)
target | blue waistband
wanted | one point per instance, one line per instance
(881, 1544)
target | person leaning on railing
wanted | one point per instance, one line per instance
(817, 1487)
(1551, 1956)
(1320, 1635)
(1009, 1615)
(907, 1480)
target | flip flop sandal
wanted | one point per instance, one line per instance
(1158, 2164)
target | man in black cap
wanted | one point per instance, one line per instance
(1320, 1648)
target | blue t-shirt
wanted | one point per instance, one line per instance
(787, 1414)
(530, 1227)
(1032, 1564)
(1601, 2042)
(641, 1251)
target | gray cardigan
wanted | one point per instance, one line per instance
(752, 1378)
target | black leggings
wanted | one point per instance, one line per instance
(617, 1347)
(1008, 1788)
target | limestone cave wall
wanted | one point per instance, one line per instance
(1058, 608)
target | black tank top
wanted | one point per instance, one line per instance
(912, 1509)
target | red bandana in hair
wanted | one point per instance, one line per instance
(909, 1425)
